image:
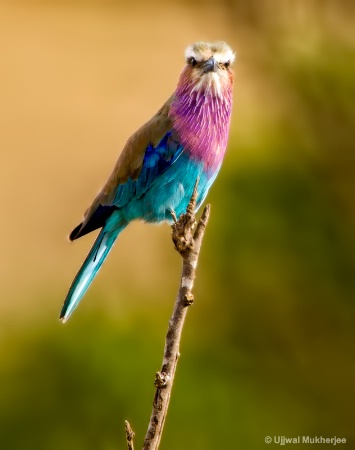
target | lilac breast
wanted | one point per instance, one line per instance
(201, 120)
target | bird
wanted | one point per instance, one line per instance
(155, 174)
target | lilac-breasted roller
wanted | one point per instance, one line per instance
(158, 167)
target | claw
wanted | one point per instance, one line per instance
(173, 215)
(182, 228)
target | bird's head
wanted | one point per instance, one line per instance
(208, 67)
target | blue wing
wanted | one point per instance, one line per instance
(157, 159)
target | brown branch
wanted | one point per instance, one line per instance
(129, 435)
(188, 244)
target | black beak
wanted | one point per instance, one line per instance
(210, 65)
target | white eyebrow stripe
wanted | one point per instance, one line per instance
(221, 57)
(189, 53)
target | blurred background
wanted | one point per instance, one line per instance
(268, 346)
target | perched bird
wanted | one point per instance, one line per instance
(158, 167)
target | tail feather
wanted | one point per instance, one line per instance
(90, 268)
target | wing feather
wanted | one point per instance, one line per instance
(151, 149)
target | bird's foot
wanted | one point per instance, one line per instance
(182, 228)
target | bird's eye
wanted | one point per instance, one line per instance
(192, 61)
(227, 64)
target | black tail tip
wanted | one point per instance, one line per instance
(75, 233)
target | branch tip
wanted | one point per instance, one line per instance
(182, 227)
(129, 435)
(190, 211)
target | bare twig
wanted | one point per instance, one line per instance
(188, 244)
(129, 435)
